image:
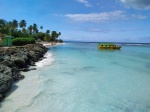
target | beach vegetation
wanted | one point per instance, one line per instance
(22, 41)
(60, 41)
(20, 29)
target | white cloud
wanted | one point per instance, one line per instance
(137, 4)
(103, 17)
(85, 2)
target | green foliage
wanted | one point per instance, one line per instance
(47, 31)
(22, 24)
(11, 28)
(35, 28)
(47, 38)
(22, 41)
(19, 33)
(15, 24)
(60, 41)
(39, 35)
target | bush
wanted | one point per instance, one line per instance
(22, 41)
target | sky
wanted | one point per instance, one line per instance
(85, 20)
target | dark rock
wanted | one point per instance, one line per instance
(16, 59)
(2, 96)
(5, 83)
(27, 69)
(8, 63)
(5, 70)
(32, 69)
(20, 62)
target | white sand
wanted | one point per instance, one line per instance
(23, 92)
(50, 43)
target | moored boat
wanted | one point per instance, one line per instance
(108, 46)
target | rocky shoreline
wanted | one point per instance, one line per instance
(16, 59)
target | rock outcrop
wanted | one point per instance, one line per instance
(16, 59)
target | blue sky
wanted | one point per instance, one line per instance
(85, 20)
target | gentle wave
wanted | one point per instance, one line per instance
(45, 62)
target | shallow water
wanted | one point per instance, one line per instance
(82, 78)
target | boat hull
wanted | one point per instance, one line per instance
(111, 48)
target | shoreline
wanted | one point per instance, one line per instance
(48, 44)
(44, 59)
(22, 92)
(13, 60)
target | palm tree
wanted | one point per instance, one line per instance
(30, 28)
(22, 24)
(35, 29)
(3, 26)
(15, 24)
(41, 27)
(10, 27)
(59, 33)
(47, 31)
(3, 23)
(24, 30)
(54, 35)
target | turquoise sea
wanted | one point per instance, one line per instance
(78, 77)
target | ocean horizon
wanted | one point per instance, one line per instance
(79, 77)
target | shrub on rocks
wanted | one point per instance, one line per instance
(20, 41)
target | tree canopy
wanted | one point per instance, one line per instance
(20, 29)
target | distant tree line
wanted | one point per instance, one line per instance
(20, 29)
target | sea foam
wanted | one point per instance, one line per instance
(45, 62)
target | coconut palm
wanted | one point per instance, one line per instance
(41, 27)
(10, 27)
(22, 24)
(35, 28)
(15, 24)
(47, 31)
(24, 30)
(59, 33)
(54, 35)
(30, 28)
(3, 23)
(3, 26)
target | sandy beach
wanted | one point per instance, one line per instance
(47, 44)
(23, 92)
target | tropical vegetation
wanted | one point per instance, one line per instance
(22, 41)
(21, 29)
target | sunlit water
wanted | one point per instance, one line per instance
(81, 78)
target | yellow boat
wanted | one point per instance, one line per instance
(108, 46)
